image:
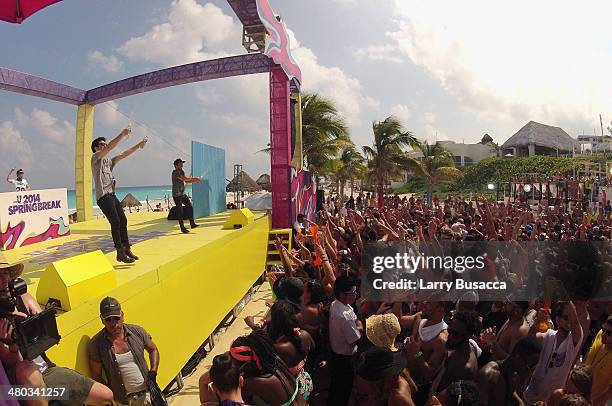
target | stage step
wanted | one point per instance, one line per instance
(273, 255)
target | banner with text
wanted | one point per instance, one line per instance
(33, 216)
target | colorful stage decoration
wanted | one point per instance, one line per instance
(278, 46)
(33, 216)
(304, 195)
(208, 162)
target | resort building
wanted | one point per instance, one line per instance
(466, 154)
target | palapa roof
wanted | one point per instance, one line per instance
(264, 181)
(130, 201)
(542, 135)
(248, 184)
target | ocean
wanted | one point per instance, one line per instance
(141, 193)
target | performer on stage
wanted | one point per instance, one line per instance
(102, 170)
(21, 185)
(179, 180)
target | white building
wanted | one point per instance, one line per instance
(467, 154)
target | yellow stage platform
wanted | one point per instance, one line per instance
(180, 290)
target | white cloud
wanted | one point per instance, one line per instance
(332, 82)
(46, 124)
(111, 64)
(14, 149)
(402, 112)
(429, 117)
(547, 61)
(386, 53)
(109, 116)
(192, 33)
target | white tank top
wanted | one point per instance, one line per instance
(131, 375)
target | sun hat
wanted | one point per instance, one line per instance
(382, 329)
(14, 270)
(379, 363)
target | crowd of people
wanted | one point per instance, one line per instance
(326, 342)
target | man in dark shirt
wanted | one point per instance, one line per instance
(179, 180)
(118, 351)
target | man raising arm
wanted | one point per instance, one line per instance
(104, 180)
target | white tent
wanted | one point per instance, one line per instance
(259, 201)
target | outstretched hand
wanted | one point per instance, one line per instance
(142, 143)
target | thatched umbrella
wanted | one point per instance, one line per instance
(246, 183)
(264, 182)
(130, 201)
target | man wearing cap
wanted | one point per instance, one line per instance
(179, 180)
(104, 181)
(118, 350)
(40, 371)
(344, 334)
(21, 185)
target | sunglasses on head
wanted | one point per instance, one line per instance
(112, 318)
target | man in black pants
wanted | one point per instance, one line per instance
(102, 170)
(179, 180)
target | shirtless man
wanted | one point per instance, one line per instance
(501, 383)
(501, 343)
(461, 362)
(427, 351)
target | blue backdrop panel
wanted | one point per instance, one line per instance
(209, 163)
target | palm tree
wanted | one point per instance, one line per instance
(386, 157)
(436, 167)
(352, 168)
(324, 132)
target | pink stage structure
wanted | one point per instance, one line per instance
(266, 41)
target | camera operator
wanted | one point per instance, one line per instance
(41, 371)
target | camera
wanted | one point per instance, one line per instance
(34, 334)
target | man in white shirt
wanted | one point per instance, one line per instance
(344, 334)
(21, 185)
(559, 351)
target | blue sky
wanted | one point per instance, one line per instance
(448, 70)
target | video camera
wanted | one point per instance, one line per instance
(33, 334)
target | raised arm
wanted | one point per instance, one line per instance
(575, 326)
(9, 175)
(129, 152)
(113, 143)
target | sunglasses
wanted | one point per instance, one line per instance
(353, 290)
(112, 318)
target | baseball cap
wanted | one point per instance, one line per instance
(178, 161)
(293, 288)
(109, 306)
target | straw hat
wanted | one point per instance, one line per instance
(381, 330)
(14, 270)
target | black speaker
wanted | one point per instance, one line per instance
(173, 213)
(320, 199)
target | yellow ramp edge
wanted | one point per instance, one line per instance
(75, 280)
